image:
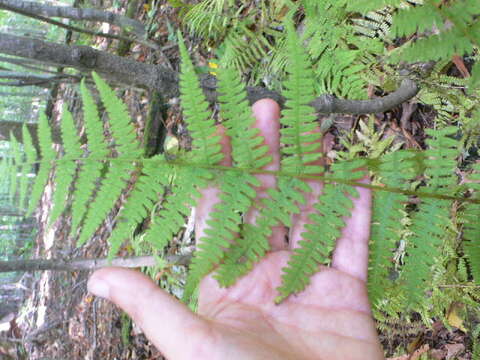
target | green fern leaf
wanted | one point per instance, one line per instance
(432, 216)
(222, 228)
(410, 20)
(47, 155)
(123, 132)
(237, 188)
(471, 232)
(201, 125)
(319, 239)
(456, 25)
(302, 141)
(247, 150)
(395, 171)
(252, 243)
(120, 168)
(153, 178)
(89, 169)
(31, 157)
(65, 169)
(364, 6)
(112, 186)
(177, 204)
(17, 161)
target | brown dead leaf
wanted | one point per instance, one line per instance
(458, 61)
(454, 318)
(437, 354)
(453, 350)
(415, 356)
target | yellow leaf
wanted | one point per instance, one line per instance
(454, 318)
(213, 65)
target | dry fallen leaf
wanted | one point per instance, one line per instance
(415, 356)
(453, 317)
(453, 350)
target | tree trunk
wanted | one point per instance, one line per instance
(86, 264)
(75, 14)
(85, 59)
(15, 127)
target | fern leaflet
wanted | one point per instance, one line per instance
(471, 230)
(89, 169)
(394, 171)
(432, 216)
(65, 169)
(47, 154)
(120, 168)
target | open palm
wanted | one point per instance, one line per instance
(329, 320)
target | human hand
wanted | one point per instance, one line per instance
(330, 320)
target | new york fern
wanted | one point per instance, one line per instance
(165, 188)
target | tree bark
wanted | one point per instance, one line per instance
(75, 14)
(121, 70)
(113, 68)
(86, 264)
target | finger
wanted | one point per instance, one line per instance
(164, 320)
(267, 115)
(302, 218)
(351, 252)
(211, 195)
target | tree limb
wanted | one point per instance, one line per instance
(123, 70)
(87, 264)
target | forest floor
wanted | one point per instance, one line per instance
(61, 320)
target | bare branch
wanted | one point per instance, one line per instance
(87, 264)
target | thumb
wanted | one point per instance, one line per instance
(166, 322)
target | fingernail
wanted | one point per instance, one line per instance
(98, 287)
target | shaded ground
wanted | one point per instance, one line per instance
(60, 320)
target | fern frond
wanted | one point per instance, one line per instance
(153, 178)
(237, 189)
(247, 148)
(340, 54)
(432, 216)
(65, 169)
(177, 204)
(89, 170)
(252, 243)
(47, 155)
(223, 227)
(243, 48)
(386, 229)
(123, 133)
(201, 125)
(471, 231)
(302, 142)
(455, 25)
(31, 157)
(17, 161)
(436, 47)
(410, 20)
(111, 188)
(119, 169)
(325, 227)
(365, 6)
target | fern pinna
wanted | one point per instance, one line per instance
(165, 188)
